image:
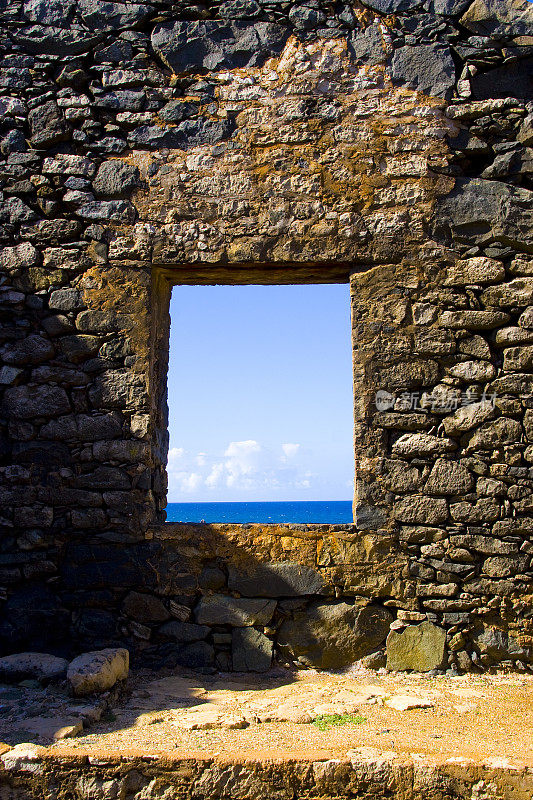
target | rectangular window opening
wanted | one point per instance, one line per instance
(260, 404)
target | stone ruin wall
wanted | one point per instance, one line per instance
(387, 145)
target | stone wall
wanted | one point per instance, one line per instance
(386, 144)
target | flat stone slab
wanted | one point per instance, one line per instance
(41, 666)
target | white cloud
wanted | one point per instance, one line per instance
(290, 450)
(245, 467)
(174, 454)
(187, 481)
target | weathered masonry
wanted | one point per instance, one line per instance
(384, 143)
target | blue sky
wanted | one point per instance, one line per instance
(260, 393)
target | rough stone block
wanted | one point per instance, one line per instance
(251, 650)
(333, 635)
(283, 579)
(220, 609)
(41, 666)
(449, 477)
(418, 647)
(98, 671)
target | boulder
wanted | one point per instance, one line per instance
(21, 256)
(473, 320)
(368, 46)
(428, 68)
(283, 579)
(251, 650)
(404, 702)
(391, 6)
(98, 671)
(449, 8)
(35, 401)
(48, 12)
(333, 635)
(178, 110)
(473, 371)
(114, 210)
(191, 45)
(518, 292)
(41, 666)
(417, 647)
(189, 133)
(196, 655)
(497, 433)
(220, 609)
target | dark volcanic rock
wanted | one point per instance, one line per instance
(190, 133)
(511, 80)
(501, 20)
(184, 631)
(47, 125)
(219, 609)
(188, 46)
(285, 579)
(105, 16)
(145, 607)
(33, 349)
(251, 650)
(428, 68)
(333, 635)
(393, 6)
(54, 41)
(40, 666)
(35, 401)
(239, 9)
(115, 179)
(197, 655)
(367, 46)
(477, 207)
(304, 17)
(115, 210)
(48, 12)
(178, 110)
(449, 7)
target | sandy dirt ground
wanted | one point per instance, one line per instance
(275, 716)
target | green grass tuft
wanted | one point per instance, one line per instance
(326, 721)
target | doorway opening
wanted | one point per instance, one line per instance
(260, 404)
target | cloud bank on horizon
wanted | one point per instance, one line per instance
(244, 467)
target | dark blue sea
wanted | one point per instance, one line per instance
(331, 511)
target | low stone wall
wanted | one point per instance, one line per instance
(31, 772)
(238, 597)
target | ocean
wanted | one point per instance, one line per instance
(325, 512)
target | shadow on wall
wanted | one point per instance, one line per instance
(213, 597)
